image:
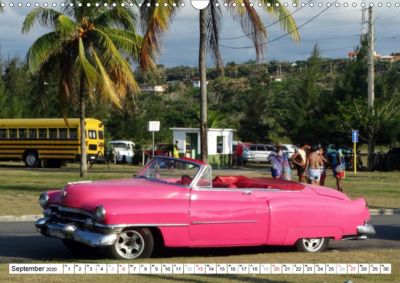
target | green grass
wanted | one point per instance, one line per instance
(20, 187)
(370, 256)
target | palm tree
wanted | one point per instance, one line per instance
(89, 48)
(156, 23)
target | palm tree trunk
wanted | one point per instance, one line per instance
(82, 108)
(203, 85)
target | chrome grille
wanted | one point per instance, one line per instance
(66, 214)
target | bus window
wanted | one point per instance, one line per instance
(22, 133)
(62, 133)
(42, 133)
(52, 133)
(92, 134)
(3, 134)
(32, 133)
(12, 133)
(101, 135)
(73, 134)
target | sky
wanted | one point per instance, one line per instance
(336, 30)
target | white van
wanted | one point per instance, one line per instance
(121, 151)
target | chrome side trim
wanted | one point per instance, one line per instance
(224, 222)
(240, 189)
(113, 226)
(363, 237)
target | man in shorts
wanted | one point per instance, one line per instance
(338, 168)
(314, 166)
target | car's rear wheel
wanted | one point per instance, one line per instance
(133, 243)
(312, 245)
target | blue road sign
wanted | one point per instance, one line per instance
(354, 135)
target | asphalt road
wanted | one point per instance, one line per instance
(19, 241)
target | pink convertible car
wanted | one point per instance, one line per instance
(177, 203)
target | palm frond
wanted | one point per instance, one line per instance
(113, 61)
(155, 21)
(105, 86)
(79, 12)
(117, 17)
(88, 69)
(66, 26)
(213, 22)
(44, 16)
(278, 11)
(125, 41)
(43, 49)
(251, 24)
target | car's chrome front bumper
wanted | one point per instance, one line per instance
(71, 232)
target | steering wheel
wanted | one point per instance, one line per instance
(186, 180)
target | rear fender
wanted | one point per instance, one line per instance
(295, 234)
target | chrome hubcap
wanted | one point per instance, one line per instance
(313, 244)
(130, 244)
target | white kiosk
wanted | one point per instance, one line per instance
(220, 143)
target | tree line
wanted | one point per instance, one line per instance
(316, 100)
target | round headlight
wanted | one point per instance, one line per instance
(100, 212)
(43, 199)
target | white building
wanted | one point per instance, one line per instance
(220, 141)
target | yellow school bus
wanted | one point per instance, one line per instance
(49, 142)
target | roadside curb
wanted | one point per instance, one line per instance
(22, 218)
(384, 211)
(32, 218)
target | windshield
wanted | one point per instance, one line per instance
(171, 170)
(118, 145)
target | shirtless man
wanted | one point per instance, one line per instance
(315, 163)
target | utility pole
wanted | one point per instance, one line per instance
(371, 79)
(363, 25)
(371, 75)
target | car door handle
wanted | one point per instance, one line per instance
(247, 192)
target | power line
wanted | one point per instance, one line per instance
(270, 25)
(387, 20)
(286, 34)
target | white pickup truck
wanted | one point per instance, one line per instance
(122, 151)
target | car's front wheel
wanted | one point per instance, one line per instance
(133, 243)
(312, 245)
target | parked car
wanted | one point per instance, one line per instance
(393, 159)
(160, 149)
(257, 152)
(176, 203)
(331, 151)
(121, 151)
(289, 148)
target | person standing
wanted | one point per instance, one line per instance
(276, 162)
(314, 166)
(239, 154)
(300, 161)
(323, 167)
(287, 171)
(338, 168)
(175, 150)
